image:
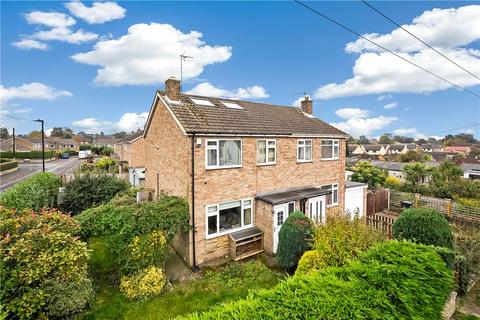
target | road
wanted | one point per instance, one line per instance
(25, 170)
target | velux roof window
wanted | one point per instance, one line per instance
(202, 102)
(231, 105)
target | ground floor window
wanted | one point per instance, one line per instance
(229, 216)
(332, 198)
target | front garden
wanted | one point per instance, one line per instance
(106, 259)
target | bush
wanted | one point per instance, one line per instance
(467, 263)
(309, 263)
(337, 242)
(88, 191)
(145, 251)
(144, 284)
(425, 226)
(295, 237)
(392, 182)
(393, 280)
(27, 154)
(7, 164)
(38, 191)
(366, 173)
(40, 254)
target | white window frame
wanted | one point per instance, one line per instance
(304, 153)
(216, 147)
(217, 214)
(335, 144)
(334, 187)
(274, 147)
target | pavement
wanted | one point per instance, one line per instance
(25, 170)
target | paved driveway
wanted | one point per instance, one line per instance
(25, 170)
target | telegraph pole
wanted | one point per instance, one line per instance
(13, 142)
(43, 143)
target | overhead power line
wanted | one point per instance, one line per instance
(419, 39)
(454, 129)
(388, 50)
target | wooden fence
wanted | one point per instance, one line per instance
(377, 200)
(383, 221)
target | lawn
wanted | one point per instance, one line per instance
(216, 286)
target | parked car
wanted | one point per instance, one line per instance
(65, 155)
(83, 154)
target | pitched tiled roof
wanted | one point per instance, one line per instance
(253, 118)
(396, 147)
(372, 147)
(132, 136)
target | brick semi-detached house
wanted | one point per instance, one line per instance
(243, 166)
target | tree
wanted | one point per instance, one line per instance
(295, 237)
(35, 134)
(4, 133)
(385, 139)
(411, 156)
(67, 133)
(447, 171)
(363, 140)
(366, 173)
(120, 135)
(421, 141)
(415, 173)
(57, 132)
(403, 139)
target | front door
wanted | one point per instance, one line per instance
(316, 209)
(281, 212)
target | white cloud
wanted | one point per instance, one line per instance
(384, 96)
(379, 72)
(391, 105)
(99, 12)
(128, 122)
(207, 89)
(357, 122)
(33, 90)
(28, 44)
(22, 110)
(50, 19)
(149, 54)
(445, 28)
(348, 113)
(66, 35)
(409, 132)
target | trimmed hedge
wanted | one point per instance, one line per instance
(37, 192)
(36, 154)
(393, 280)
(8, 164)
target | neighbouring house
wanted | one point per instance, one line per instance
(243, 167)
(21, 144)
(105, 141)
(375, 149)
(60, 144)
(131, 150)
(82, 140)
(400, 148)
(431, 147)
(395, 169)
(465, 150)
(355, 149)
(471, 170)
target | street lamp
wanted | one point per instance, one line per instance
(43, 144)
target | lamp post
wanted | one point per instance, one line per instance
(43, 144)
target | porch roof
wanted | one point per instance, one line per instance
(294, 194)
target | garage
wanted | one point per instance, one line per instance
(355, 198)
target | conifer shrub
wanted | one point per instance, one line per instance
(295, 237)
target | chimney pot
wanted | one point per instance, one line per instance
(307, 105)
(172, 88)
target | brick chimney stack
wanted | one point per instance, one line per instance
(172, 88)
(307, 105)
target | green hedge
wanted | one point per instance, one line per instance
(27, 154)
(393, 280)
(7, 165)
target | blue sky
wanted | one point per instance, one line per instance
(94, 66)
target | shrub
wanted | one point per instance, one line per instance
(88, 191)
(144, 284)
(392, 182)
(309, 262)
(27, 154)
(125, 198)
(393, 280)
(425, 226)
(7, 164)
(295, 237)
(38, 191)
(365, 172)
(339, 241)
(41, 253)
(467, 263)
(144, 251)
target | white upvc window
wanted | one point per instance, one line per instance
(304, 150)
(229, 217)
(330, 149)
(223, 153)
(332, 198)
(266, 152)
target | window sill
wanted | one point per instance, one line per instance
(329, 159)
(219, 168)
(224, 233)
(266, 164)
(332, 205)
(304, 161)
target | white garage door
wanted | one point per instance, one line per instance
(354, 201)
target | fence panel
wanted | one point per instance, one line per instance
(377, 200)
(383, 221)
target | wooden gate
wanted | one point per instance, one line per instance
(382, 221)
(377, 200)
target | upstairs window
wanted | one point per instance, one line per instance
(266, 151)
(330, 149)
(304, 150)
(223, 154)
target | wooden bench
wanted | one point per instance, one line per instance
(245, 243)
